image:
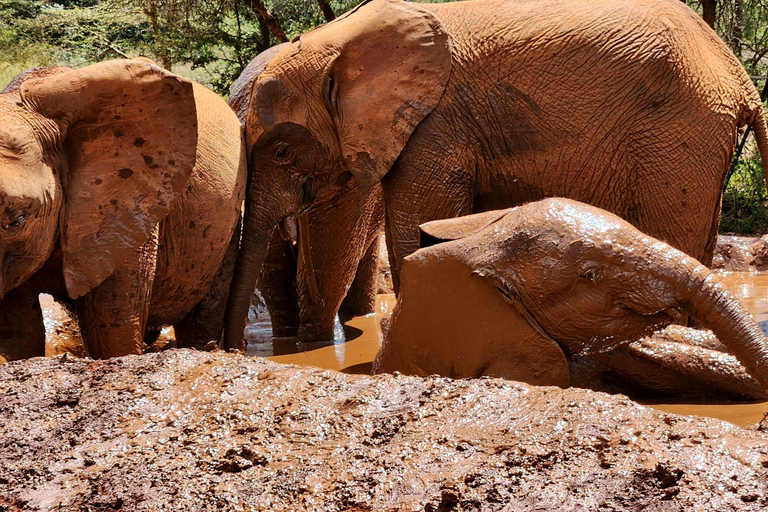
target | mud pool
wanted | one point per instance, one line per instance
(357, 339)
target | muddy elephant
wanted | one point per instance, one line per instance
(557, 291)
(464, 107)
(121, 189)
(324, 261)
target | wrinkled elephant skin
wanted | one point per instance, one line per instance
(330, 253)
(471, 106)
(121, 187)
(558, 292)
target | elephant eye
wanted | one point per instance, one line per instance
(15, 219)
(593, 275)
(282, 153)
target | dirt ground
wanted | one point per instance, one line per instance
(183, 430)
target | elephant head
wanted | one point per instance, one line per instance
(568, 278)
(338, 102)
(90, 160)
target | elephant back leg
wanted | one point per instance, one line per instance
(113, 316)
(205, 321)
(22, 332)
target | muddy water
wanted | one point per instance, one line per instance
(357, 342)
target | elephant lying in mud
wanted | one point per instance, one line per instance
(462, 107)
(121, 187)
(558, 292)
(323, 261)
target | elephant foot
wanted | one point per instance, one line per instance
(316, 333)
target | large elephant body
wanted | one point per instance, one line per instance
(463, 107)
(122, 186)
(557, 292)
(324, 261)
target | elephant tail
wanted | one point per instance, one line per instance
(761, 136)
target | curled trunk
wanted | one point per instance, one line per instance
(713, 305)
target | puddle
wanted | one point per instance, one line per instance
(352, 351)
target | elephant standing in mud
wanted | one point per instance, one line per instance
(464, 107)
(558, 292)
(121, 188)
(323, 261)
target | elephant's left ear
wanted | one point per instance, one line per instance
(390, 74)
(129, 134)
(437, 231)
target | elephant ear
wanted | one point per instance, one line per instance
(129, 135)
(438, 231)
(390, 74)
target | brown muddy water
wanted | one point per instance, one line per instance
(357, 342)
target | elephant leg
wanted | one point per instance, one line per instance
(361, 296)
(335, 250)
(414, 195)
(113, 316)
(22, 332)
(205, 321)
(277, 284)
(661, 365)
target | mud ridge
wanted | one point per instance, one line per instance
(184, 430)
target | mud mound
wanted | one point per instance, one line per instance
(183, 430)
(741, 253)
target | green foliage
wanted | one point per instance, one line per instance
(744, 202)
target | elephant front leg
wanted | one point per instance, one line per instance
(277, 284)
(113, 316)
(361, 297)
(679, 362)
(416, 191)
(22, 332)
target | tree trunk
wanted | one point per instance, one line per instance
(709, 8)
(263, 44)
(259, 7)
(327, 11)
(738, 27)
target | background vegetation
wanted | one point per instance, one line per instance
(211, 41)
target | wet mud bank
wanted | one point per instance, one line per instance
(183, 430)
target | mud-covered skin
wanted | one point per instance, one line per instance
(187, 430)
(463, 107)
(676, 362)
(519, 293)
(118, 182)
(333, 264)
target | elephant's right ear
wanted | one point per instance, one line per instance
(129, 134)
(438, 231)
(394, 62)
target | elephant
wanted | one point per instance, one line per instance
(459, 108)
(121, 194)
(558, 292)
(334, 267)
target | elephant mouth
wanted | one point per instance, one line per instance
(289, 229)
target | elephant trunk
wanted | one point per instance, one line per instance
(713, 305)
(259, 222)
